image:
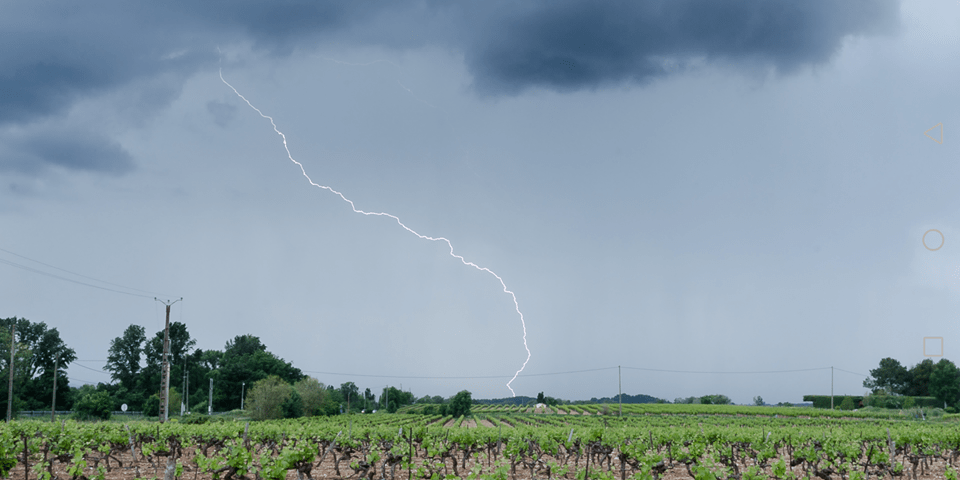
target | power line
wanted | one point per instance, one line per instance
(695, 371)
(575, 371)
(459, 377)
(91, 369)
(41, 272)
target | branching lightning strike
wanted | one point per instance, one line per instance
(397, 219)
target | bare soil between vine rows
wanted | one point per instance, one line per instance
(146, 470)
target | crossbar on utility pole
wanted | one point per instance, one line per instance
(165, 371)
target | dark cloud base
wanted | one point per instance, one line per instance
(572, 45)
(37, 151)
(60, 53)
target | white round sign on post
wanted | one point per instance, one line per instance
(123, 407)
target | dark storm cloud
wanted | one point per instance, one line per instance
(39, 149)
(570, 45)
(58, 52)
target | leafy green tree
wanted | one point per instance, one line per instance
(292, 407)
(39, 349)
(92, 404)
(715, 400)
(124, 355)
(758, 401)
(847, 404)
(889, 376)
(21, 369)
(246, 360)
(460, 404)
(351, 397)
(945, 382)
(540, 397)
(333, 402)
(312, 395)
(267, 398)
(918, 379)
(397, 398)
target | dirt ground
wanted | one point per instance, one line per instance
(143, 469)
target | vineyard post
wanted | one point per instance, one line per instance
(13, 345)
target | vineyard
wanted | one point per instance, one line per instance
(672, 442)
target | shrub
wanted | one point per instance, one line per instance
(847, 404)
(312, 396)
(95, 405)
(194, 419)
(267, 397)
(293, 406)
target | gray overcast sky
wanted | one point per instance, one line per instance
(691, 185)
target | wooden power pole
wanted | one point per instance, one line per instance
(619, 390)
(13, 349)
(53, 403)
(165, 371)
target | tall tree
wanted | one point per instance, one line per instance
(918, 384)
(35, 371)
(245, 359)
(945, 382)
(351, 395)
(267, 398)
(124, 356)
(460, 404)
(21, 370)
(396, 398)
(312, 395)
(890, 376)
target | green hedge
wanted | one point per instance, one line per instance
(883, 401)
(823, 401)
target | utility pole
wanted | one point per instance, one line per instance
(620, 390)
(242, 387)
(831, 388)
(183, 396)
(165, 371)
(53, 403)
(13, 347)
(210, 401)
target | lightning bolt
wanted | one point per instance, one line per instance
(397, 219)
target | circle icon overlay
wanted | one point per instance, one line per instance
(924, 240)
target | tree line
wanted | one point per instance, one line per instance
(940, 380)
(244, 373)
